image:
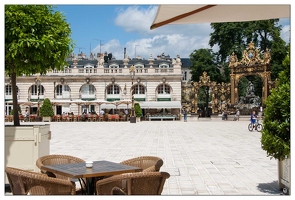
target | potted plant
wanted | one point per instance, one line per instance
(37, 39)
(275, 138)
(46, 111)
(138, 111)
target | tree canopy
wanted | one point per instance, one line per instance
(275, 137)
(204, 60)
(37, 39)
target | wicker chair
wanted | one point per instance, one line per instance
(56, 159)
(31, 183)
(146, 163)
(140, 183)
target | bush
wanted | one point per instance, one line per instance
(46, 109)
(275, 138)
(137, 109)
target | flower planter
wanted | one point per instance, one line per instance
(284, 172)
(25, 144)
(46, 119)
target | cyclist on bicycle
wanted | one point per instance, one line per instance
(253, 118)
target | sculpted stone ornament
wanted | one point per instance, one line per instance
(100, 60)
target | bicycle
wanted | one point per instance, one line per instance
(258, 126)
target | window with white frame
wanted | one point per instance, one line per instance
(114, 66)
(164, 89)
(184, 75)
(139, 89)
(8, 91)
(113, 89)
(87, 89)
(62, 88)
(163, 66)
(34, 90)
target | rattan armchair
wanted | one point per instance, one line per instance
(140, 183)
(146, 163)
(32, 183)
(57, 159)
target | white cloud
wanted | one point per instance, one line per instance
(172, 39)
(136, 19)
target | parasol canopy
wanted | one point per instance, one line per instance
(201, 13)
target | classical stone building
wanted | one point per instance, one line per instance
(86, 83)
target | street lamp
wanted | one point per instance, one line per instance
(132, 74)
(38, 83)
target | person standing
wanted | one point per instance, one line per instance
(27, 115)
(238, 115)
(184, 112)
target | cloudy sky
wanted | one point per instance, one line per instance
(112, 27)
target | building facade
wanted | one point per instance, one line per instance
(85, 84)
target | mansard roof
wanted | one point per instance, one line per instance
(81, 63)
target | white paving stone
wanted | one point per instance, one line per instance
(211, 157)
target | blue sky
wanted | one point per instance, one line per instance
(116, 26)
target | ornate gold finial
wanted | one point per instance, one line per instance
(132, 69)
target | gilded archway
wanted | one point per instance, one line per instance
(220, 94)
(250, 64)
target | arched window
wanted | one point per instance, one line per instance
(163, 66)
(8, 89)
(113, 89)
(87, 89)
(139, 89)
(62, 88)
(34, 90)
(164, 89)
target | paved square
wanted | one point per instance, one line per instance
(212, 157)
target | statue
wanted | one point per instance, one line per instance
(100, 60)
(132, 69)
(266, 57)
(233, 60)
(250, 89)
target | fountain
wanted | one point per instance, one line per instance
(250, 100)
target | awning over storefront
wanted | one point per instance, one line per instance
(160, 104)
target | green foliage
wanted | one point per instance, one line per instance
(37, 39)
(204, 60)
(137, 109)
(19, 111)
(46, 109)
(275, 138)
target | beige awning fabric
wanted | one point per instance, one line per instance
(160, 104)
(197, 13)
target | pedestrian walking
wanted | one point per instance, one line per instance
(184, 112)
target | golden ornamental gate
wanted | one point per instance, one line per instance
(226, 94)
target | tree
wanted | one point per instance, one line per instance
(37, 39)
(275, 137)
(137, 109)
(46, 109)
(235, 37)
(203, 60)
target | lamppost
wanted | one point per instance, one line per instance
(38, 83)
(132, 74)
